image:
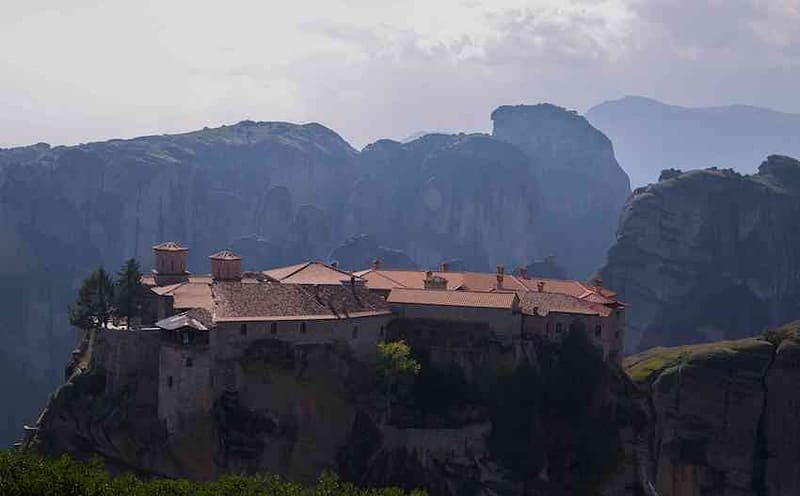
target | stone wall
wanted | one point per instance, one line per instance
(129, 359)
(185, 390)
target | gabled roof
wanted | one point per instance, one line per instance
(542, 303)
(180, 321)
(170, 246)
(309, 273)
(267, 301)
(443, 297)
(385, 279)
(194, 293)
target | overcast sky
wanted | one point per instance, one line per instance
(81, 70)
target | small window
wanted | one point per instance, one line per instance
(169, 382)
(273, 328)
(572, 328)
(355, 332)
(616, 334)
(243, 329)
(302, 327)
(618, 314)
(598, 330)
(559, 328)
(188, 361)
(185, 337)
(380, 333)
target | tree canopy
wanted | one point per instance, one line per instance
(94, 305)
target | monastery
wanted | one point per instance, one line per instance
(195, 328)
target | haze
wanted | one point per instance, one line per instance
(89, 70)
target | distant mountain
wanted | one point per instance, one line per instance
(649, 136)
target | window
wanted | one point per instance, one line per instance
(559, 328)
(188, 361)
(616, 334)
(381, 332)
(273, 328)
(185, 337)
(169, 382)
(243, 329)
(302, 327)
(598, 330)
(355, 332)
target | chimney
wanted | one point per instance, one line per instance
(376, 264)
(444, 267)
(335, 264)
(540, 286)
(523, 272)
(500, 275)
(170, 263)
(226, 266)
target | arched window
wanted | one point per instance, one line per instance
(273, 328)
(598, 330)
(243, 329)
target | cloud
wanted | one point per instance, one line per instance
(88, 69)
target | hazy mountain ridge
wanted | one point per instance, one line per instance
(650, 136)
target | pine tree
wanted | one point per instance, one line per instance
(95, 299)
(128, 291)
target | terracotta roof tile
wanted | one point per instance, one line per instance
(225, 255)
(544, 303)
(170, 246)
(309, 273)
(479, 299)
(273, 301)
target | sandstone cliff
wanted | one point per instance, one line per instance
(723, 415)
(708, 255)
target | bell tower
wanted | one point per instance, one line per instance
(226, 266)
(170, 263)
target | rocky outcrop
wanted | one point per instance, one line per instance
(474, 421)
(281, 193)
(584, 187)
(362, 251)
(723, 415)
(649, 135)
(709, 254)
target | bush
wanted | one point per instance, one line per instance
(28, 474)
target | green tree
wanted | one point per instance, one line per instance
(94, 305)
(396, 363)
(128, 291)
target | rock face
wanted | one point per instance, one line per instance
(281, 193)
(584, 187)
(650, 136)
(362, 251)
(708, 255)
(471, 423)
(723, 418)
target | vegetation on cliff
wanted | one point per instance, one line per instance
(26, 474)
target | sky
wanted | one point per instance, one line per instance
(86, 70)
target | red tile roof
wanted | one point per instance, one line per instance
(309, 273)
(484, 281)
(225, 255)
(170, 246)
(541, 303)
(443, 297)
(238, 301)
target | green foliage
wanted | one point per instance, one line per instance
(128, 291)
(396, 364)
(95, 301)
(557, 413)
(27, 474)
